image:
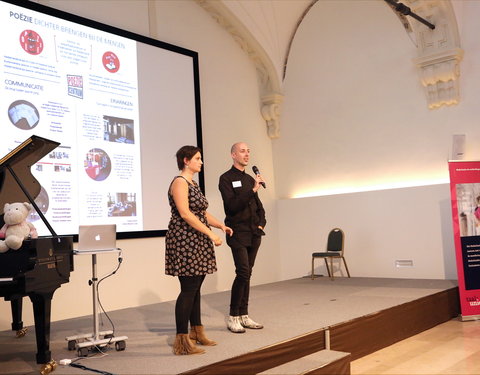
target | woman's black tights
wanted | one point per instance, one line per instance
(188, 303)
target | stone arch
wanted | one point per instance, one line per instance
(270, 83)
(438, 51)
(438, 54)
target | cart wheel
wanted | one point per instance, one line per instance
(72, 344)
(120, 345)
(82, 352)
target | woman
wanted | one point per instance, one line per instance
(189, 252)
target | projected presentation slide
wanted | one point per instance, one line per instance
(79, 86)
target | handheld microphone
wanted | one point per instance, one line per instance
(256, 171)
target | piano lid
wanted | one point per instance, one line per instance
(20, 160)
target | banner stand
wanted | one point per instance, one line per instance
(465, 198)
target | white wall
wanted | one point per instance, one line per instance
(380, 227)
(356, 116)
(230, 113)
(355, 113)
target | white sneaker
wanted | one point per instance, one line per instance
(234, 324)
(247, 322)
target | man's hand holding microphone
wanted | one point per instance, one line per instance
(258, 179)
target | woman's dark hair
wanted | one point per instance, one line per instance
(186, 152)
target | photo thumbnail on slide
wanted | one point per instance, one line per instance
(97, 164)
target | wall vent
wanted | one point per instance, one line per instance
(404, 263)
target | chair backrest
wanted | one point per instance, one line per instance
(335, 241)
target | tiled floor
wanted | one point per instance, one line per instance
(449, 348)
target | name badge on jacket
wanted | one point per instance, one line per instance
(236, 184)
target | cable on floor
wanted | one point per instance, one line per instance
(82, 367)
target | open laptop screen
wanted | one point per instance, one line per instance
(97, 237)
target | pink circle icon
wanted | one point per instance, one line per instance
(111, 62)
(31, 42)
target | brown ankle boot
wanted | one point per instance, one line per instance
(197, 334)
(183, 345)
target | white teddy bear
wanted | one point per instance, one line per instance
(16, 228)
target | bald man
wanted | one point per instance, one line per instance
(246, 216)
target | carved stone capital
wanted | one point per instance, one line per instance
(271, 110)
(439, 75)
(438, 51)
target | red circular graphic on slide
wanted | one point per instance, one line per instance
(31, 42)
(111, 62)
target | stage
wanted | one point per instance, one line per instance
(352, 317)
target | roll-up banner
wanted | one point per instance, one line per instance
(465, 195)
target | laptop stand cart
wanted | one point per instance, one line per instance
(98, 339)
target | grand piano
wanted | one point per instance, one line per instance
(41, 265)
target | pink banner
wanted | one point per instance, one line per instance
(465, 194)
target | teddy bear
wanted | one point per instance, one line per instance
(16, 228)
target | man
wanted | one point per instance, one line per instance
(246, 216)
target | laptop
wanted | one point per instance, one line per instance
(97, 237)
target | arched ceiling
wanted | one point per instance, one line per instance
(265, 30)
(273, 23)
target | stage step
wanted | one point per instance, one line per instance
(319, 363)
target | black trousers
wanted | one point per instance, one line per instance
(244, 258)
(187, 307)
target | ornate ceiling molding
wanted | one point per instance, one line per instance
(438, 51)
(270, 83)
(271, 109)
(438, 54)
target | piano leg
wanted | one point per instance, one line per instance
(42, 302)
(16, 305)
(17, 324)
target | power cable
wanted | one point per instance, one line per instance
(82, 367)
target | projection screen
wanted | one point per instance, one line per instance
(119, 104)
